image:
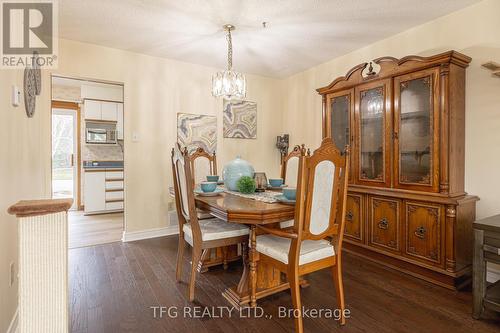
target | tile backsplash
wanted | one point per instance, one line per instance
(103, 153)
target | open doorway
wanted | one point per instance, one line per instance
(87, 157)
(65, 151)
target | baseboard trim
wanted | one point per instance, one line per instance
(150, 233)
(13, 324)
(492, 274)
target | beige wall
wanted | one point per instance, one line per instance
(22, 174)
(473, 31)
(155, 91)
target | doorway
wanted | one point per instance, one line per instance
(65, 151)
(87, 167)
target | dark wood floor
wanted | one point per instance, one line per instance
(114, 286)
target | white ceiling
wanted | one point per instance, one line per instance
(299, 33)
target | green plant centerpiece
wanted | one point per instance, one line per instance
(246, 185)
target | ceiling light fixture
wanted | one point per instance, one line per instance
(229, 84)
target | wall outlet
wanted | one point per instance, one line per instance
(12, 273)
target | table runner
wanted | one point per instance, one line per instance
(267, 196)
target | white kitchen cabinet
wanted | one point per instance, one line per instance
(94, 192)
(119, 119)
(108, 111)
(103, 191)
(92, 109)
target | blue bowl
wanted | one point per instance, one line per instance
(208, 186)
(212, 178)
(276, 182)
(290, 193)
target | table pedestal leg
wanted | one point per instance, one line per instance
(218, 256)
(264, 279)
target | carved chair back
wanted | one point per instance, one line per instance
(321, 195)
(202, 165)
(290, 167)
(183, 188)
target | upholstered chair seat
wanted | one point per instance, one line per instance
(213, 229)
(278, 248)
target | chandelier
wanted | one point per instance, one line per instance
(229, 84)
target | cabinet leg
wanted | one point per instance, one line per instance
(479, 274)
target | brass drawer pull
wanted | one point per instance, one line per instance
(349, 216)
(420, 232)
(383, 224)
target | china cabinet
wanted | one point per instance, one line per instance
(406, 206)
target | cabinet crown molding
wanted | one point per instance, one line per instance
(391, 66)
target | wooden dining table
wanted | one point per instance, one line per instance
(236, 209)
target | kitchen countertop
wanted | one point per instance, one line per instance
(102, 168)
(103, 165)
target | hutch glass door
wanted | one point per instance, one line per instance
(373, 112)
(416, 130)
(339, 113)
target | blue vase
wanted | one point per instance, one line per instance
(234, 170)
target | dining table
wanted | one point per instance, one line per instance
(234, 208)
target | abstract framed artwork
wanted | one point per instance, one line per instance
(197, 130)
(240, 119)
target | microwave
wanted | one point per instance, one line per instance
(97, 133)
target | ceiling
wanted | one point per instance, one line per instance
(299, 34)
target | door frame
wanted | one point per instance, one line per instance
(55, 104)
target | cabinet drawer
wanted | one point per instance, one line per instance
(114, 174)
(354, 219)
(114, 185)
(114, 205)
(424, 231)
(114, 195)
(385, 223)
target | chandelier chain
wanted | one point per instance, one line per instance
(229, 50)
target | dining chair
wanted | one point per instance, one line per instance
(202, 164)
(289, 174)
(199, 234)
(315, 241)
(290, 166)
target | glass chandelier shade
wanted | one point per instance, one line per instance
(229, 84)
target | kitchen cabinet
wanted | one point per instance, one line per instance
(103, 191)
(108, 111)
(92, 109)
(94, 192)
(119, 121)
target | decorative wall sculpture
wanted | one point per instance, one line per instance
(240, 119)
(195, 130)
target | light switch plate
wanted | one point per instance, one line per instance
(135, 137)
(16, 96)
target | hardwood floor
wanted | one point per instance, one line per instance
(94, 229)
(114, 286)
